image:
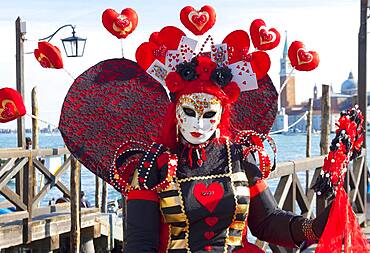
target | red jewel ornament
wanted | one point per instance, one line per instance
(208, 248)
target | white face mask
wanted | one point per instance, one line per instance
(198, 116)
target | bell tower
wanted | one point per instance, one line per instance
(287, 96)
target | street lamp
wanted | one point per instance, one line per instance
(73, 46)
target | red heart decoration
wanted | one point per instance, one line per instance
(48, 56)
(211, 221)
(210, 196)
(198, 22)
(238, 44)
(262, 37)
(260, 62)
(301, 59)
(159, 43)
(209, 235)
(11, 105)
(120, 25)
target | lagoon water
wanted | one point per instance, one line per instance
(290, 147)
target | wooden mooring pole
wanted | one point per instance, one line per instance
(97, 192)
(75, 206)
(104, 198)
(35, 132)
(20, 31)
(325, 120)
(308, 138)
(325, 134)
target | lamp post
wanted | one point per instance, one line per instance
(73, 46)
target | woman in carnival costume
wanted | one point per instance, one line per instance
(184, 159)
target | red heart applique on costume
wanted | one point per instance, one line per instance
(301, 59)
(209, 235)
(48, 56)
(262, 37)
(11, 105)
(211, 221)
(159, 43)
(198, 22)
(120, 25)
(210, 196)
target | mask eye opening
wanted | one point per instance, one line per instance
(210, 114)
(189, 112)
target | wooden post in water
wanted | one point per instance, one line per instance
(308, 138)
(97, 192)
(20, 31)
(325, 120)
(325, 135)
(35, 132)
(104, 198)
(75, 206)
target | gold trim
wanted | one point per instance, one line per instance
(170, 202)
(234, 240)
(238, 177)
(238, 225)
(188, 179)
(242, 208)
(186, 229)
(178, 244)
(178, 217)
(176, 230)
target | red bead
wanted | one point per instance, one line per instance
(208, 248)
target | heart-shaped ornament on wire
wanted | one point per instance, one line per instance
(120, 24)
(11, 105)
(301, 59)
(264, 38)
(48, 56)
(198, 22)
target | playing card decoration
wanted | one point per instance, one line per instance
(11, 105)
(48, 56)
(120, 24)
(264, 38)
(238, 44)
(301, 59)
(159, 43)
(198, 22)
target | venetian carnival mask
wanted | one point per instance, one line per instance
(198, 116)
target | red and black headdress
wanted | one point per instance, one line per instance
(119, 100)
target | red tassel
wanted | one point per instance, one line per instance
(342, 226)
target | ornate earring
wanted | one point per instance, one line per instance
(217, 133)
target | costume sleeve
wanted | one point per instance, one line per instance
(143, 214)
(143, 222)
(269, 223)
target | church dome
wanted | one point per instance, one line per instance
(349, 86)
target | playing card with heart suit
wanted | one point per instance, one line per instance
(187, 47)
(244, 76)
(219, 54)
(173, 58)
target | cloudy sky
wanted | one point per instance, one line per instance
(326, 26)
